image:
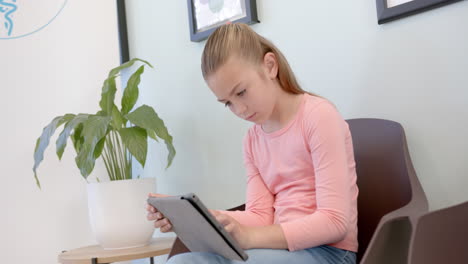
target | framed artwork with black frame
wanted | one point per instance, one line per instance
(123, 35)
(389, 10)
(206, 15)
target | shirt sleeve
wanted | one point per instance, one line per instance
(259, 200)
(325, 133)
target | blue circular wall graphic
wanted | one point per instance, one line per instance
(22, 18)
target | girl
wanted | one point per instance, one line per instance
(301, 178)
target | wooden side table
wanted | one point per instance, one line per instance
(97, 255)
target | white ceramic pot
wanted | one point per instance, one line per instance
(117, 212)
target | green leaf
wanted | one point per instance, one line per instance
(136, 141)
(94, 129)
(145, 117)
(128, 64)
(130, 95)
(99, 147)
(172, 152)
(61, 142)
(109, 88)
(152, 134)
(77, 138)
(108, 95)
(118, 120)
(43, 141)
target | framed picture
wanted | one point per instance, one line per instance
(206, 15)
(388, 10)
(123, 36)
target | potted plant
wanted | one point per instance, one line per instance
(117, 214)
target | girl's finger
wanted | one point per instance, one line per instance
(162, 222)
(223, 219)
(150, 217)
(214, 212)
(229, 228)
(150, 208)
(154, 216)
(159, 223)
(166, 228)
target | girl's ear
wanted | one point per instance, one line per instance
(270, 64)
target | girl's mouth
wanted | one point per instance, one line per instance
(250, 118)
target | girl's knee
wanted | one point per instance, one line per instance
(196, 258)
(179, 259)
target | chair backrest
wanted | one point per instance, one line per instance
(384, 173)
(441, 237)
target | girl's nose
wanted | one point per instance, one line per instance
(241, 109)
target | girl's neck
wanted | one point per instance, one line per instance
(284, 111)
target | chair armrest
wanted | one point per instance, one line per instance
(395, 228)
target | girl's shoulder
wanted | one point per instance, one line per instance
(316, 107)
(319, 110)
(320, 113)
(315, 103)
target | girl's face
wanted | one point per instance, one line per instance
(247, 89)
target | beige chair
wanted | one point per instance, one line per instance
(390, 195)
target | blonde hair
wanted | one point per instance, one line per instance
(240, 40)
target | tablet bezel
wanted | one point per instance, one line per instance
(192, 200)
(200, 207)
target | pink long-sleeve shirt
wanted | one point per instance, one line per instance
(303, 178)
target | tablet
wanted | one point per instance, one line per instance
(196, 227)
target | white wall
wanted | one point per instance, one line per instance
(414, 70)
(57, 70)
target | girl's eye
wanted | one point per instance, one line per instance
(241, 93)
(227, 104)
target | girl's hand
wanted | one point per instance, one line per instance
(238, 231)
(154, 215)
